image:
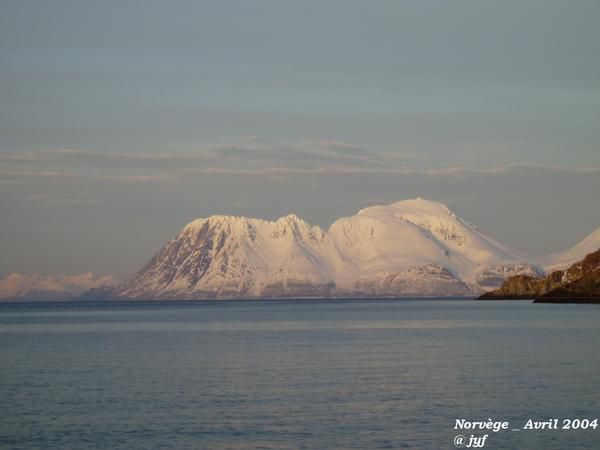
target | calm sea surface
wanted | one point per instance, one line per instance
(295, 374)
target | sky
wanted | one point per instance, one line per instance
(121, 121)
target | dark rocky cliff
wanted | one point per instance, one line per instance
(578, 283)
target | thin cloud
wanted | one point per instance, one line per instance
(252, 150)
(68, 155)
(252, 156)
(347, 149)
(122, 178)
(9, 178)
(504, 168)
(445, 171)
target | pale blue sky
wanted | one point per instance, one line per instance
(120, 121)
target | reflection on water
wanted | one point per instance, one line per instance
(294, 374)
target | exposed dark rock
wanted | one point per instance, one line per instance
(580, 283)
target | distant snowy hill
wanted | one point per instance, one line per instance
(59, 287)
(409, 248)
(567, 258)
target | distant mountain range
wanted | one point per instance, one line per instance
(17, 286)
(409, 248)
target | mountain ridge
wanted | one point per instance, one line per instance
(412, 247)
(17, 286)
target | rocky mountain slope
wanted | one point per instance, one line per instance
(578, 283)
(409, 248)
(17, 286)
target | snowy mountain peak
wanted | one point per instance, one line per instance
(433, 217)
(292, 221)
(417, 207)
(412, 247)
(290, 218)
(422, 204)
(244, 227)
(569, 257)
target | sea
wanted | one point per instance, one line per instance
(298, 374)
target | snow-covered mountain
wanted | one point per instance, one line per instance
(569, 257)
(18, 286)
(409, 248)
